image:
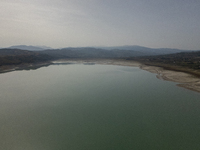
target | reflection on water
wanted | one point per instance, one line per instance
(78, 107)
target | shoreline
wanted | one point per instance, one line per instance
(182, 79)
(28, 66)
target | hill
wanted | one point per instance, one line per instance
(17, 57)
(89, 52)
(106, 52)
(185, 61)
(146, 50)
(30, 48)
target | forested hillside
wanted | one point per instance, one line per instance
(16, 57)
(184, 61)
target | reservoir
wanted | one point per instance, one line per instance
(96, 107)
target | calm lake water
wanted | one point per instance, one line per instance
(96, 107)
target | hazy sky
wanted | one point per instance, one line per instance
(63, 23)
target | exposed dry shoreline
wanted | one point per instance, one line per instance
(183, 79)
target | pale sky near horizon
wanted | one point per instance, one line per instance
(64, 23)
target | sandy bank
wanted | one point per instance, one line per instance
(184, 80)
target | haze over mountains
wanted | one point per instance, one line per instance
(33, 54)
(145, 50)
(30, 48)
(95, 52)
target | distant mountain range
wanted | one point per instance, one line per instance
(30, 48)
(138, 49)
(93, 52)
(109, 52)
(146, 50)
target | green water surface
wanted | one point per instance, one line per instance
(96, 107)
